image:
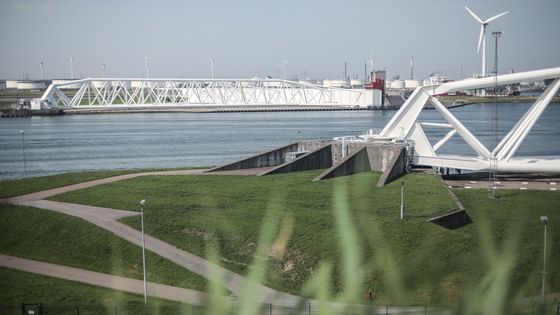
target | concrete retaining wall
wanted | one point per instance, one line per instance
(394, 168)
(270, 158)
(320, 158)
(356, 162)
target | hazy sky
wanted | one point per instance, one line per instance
(252, 37)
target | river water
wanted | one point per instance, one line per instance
(57, 144)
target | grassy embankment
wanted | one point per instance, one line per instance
(192, 211)
(408, 261)
(12, 188)
(52, 237)
(66, 297)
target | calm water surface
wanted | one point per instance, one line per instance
(162, 140)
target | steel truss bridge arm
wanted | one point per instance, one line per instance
(405, 124)
(146, 92)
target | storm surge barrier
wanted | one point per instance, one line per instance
(103, 93)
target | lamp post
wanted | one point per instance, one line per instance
(23, 152)
(212, 67)
(147, 61)
(544, 220)
(402, 200)
(142, 203)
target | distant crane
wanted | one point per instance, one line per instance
(482, 36)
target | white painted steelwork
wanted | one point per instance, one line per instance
(101, 93)
(405, 124)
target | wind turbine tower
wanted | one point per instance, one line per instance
(482, 36)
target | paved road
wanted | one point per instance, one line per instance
(104, 280)
(107, 218)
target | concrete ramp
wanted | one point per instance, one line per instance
(354, 163)
(320, 158)
(270, 158)
(394, 169)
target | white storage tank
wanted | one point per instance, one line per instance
(357, 84)
(340, 84)
(11, 84)
(397, 84)
(30, 85)
(412, 84)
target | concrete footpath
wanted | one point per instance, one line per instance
(104, 280)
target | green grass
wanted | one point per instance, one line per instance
(62, 297)
(190, 211)
(57, 238)
(11, 188)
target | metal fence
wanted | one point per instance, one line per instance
(260, 309)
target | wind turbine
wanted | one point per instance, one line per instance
(482, 36)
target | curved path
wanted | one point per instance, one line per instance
(106, 218)
(104, 280)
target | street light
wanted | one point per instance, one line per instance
(23, 152)
(544, 220)
(142, 203)
(212, 67)
(402, 200)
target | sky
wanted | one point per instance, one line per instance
(248, 38)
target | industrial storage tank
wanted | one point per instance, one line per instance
(30, 85)
(412, 84)
(340, 84)
(11, 84)
(397, 84)
(357, 83)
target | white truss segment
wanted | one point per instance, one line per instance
(405, 124)
(509, 145)
(94, 93)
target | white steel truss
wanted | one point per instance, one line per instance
(405, 125)
(92, 93)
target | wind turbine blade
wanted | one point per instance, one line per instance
(495, 17)
(482, 31)
(474, 15)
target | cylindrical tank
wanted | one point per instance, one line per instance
(357, 83)
(11, 84)
(412, 84)
(340, 84)
(397, 84)
(30, 85)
